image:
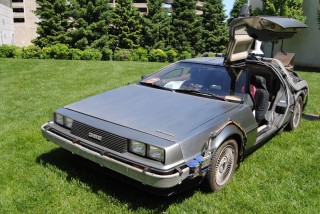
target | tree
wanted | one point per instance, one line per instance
(289, 8)
(186, 28)
(156, 26)
(90, 22)
(237, 5)
(126, 26)
(215, 33)
(54, 24)
(154, 7)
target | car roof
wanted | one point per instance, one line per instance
(218, 61)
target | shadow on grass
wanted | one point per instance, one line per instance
(311, 117)
(102, 179)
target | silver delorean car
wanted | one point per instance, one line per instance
(194, 120)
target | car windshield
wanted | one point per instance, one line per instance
(201, 80)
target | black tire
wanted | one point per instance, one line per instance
(296, 115)
(223, 165)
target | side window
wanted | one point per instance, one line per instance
(242, 83)
(242, 88)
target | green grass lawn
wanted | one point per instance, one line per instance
(36, 176)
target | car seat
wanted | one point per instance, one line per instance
(261, 98)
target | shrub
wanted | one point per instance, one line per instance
(59, 51)
(185, 55)
(91, 54)
(45, 53)
(106, 53)
(8, 51)
(31, 52)
(122, 55)
(139, 54)
(75, 54)
(171, 55)
(157, 55)
(18, 52)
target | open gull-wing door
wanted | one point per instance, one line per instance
(243, 31)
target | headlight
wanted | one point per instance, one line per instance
(68, 122)
(63, 121)
(137, 147)
(156, 153)
(58, 118)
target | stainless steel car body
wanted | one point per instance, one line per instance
(188, 128)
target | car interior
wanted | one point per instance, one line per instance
(275, 109)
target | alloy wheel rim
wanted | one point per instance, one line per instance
(296, 114)
(225, 165)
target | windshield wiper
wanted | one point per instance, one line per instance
(200, 93)
(153, 85)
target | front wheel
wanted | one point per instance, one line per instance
(296, 115)
(223, 165)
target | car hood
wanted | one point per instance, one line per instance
(161, 113)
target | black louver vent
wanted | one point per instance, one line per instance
(100, 137)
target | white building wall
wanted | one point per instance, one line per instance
(305, 44)
(6, 25)
(256, 3)
(25, 31)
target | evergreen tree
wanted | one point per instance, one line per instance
(91, 20)
(237, 5)
(126, 26)
(154, 6)
(54, 24)
(289, 8)
(186, 28)
(156, 26)
(215, 33)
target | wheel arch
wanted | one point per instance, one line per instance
(304, 95)
(227, 132)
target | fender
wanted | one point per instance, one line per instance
(228, 130)
(305, 96)
(200, 164)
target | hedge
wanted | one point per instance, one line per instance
(62, 51)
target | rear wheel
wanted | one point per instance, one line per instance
(296, 115)
(223, 165)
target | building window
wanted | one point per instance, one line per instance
(18, 10)
(139, 1)
(167, 6)
(143, 10)
(18, 20)
(17, 1)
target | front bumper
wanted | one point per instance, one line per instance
(147, 178)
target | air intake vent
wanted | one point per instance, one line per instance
(100, 137)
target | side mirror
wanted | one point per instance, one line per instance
(144, 76)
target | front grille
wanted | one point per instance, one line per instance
(108, 140)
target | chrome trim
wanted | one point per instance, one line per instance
(148, 178)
